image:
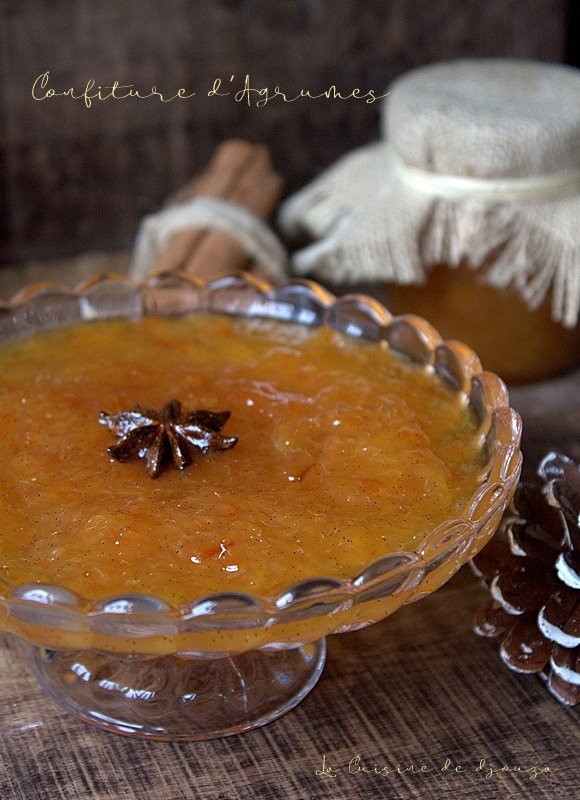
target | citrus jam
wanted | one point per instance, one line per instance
(346, 451)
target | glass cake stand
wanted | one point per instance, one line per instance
(229, 662)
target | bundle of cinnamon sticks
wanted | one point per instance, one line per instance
(242, 173)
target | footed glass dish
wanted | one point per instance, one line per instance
(227, 662)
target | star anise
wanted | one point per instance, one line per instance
(169, 435)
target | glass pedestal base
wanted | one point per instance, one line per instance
(177, 698)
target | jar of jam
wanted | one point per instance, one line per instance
(466, 211)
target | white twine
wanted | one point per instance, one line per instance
(251, 232)
(536, 187)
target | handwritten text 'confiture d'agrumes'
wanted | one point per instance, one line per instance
(240, 90)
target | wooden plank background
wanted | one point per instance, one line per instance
(78, 179)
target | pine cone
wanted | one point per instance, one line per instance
(532, 570)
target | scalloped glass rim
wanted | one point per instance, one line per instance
(42, 306)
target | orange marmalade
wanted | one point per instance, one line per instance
(345, 452)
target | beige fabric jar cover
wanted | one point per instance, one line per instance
(479, 163)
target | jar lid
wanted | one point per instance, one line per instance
(479, 164)
(486, 118)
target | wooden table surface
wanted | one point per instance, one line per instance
(416, 706)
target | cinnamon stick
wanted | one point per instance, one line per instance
(242, 173)
(228, 162)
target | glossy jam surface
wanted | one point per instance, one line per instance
(346, 452)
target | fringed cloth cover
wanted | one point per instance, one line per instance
(479, 164)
